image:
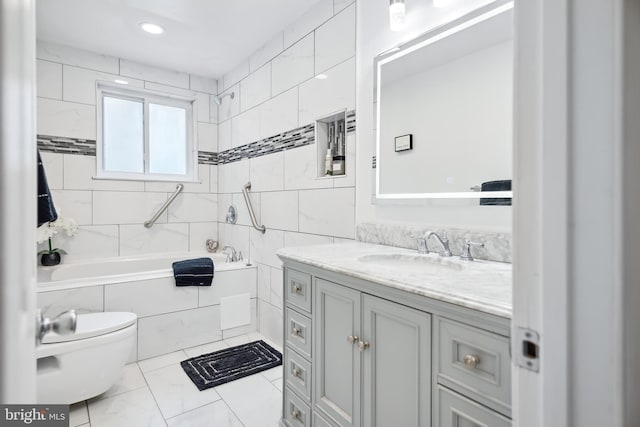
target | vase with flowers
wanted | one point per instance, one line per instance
(52, 256)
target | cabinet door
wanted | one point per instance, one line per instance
(336, 361)
(397, 365)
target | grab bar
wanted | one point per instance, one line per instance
(252, 215)
(149, 223)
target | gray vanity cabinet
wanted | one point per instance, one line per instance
(396, 375)
(387, 343)
(358, 354)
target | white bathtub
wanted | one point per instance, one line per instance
(121, 269)
(170, 318)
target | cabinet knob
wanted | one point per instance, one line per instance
(363, 345)
(296, 413)
(352, 339)
(296, 372)
(296, 331)
(471, 360)
(297, 288)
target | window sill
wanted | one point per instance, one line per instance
(147, 179)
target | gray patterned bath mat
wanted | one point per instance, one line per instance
(223, 366)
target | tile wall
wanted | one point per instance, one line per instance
(111, 213)
(276, 91)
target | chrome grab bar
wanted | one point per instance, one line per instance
(252, 215)
(149, 223)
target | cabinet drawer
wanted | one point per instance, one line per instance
(477, 361)
(455, 410)
(298, 332)
(296, 412)
(298, 289)
(297, 373)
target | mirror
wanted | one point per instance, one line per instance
(444, 107)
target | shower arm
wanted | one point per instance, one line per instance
(252, 215)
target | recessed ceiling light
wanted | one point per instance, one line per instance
(152, 28)
(321, 76)
(121, 82)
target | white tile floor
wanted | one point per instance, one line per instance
(157, 392)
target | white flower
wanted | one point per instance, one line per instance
(46, 231)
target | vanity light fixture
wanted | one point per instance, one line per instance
(396, 15)
(151, 28)
(321, 76)
(121, 82)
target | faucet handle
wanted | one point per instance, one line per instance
(422, 244)
(466, 250)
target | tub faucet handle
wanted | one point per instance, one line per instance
(63, 324)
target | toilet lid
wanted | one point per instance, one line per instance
(92, 325)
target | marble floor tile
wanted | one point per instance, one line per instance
(134, 408)
(154, 363)
(215, 414)
(130, 379)
(206, 348)
(277, 384)
(175, 392)
(78, 414)
(256, 401)
(273, 373)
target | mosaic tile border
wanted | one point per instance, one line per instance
(299, 137)
(57, 144)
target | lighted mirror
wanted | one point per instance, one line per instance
(444, 108)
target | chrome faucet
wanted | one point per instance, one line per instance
(232, 255)
(444, 242)
(466, 250)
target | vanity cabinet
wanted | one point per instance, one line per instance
(358, 354)
(372, 359)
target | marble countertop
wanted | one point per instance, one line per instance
(480, 285)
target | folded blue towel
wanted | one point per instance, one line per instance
(46, 209)
(193, 272)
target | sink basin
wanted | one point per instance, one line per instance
(412, 263)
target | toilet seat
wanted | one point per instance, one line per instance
(93, 325)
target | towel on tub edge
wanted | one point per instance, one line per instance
(193, 272)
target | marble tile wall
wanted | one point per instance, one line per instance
(111, 213)
(277, 92)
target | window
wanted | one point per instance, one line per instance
(143, 135)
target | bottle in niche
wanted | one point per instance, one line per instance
(328, 163)
(338, 159)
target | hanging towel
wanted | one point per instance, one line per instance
(193, 272)
(503, 185)
(46, 209)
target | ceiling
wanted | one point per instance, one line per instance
(204, 37)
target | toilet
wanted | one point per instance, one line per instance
(79, 366)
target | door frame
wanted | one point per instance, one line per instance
(576, 212)
(17, 201)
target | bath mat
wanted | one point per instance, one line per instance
(223, 366)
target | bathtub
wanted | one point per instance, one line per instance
(170, 318)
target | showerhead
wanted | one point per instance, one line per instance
(218, 99)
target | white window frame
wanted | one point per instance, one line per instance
(146, 97)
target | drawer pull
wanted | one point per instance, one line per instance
(297, 288)
(471, 360)
(296, 332)
(296, 414)
(352, 339)
(296, 372)
(363, 345)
